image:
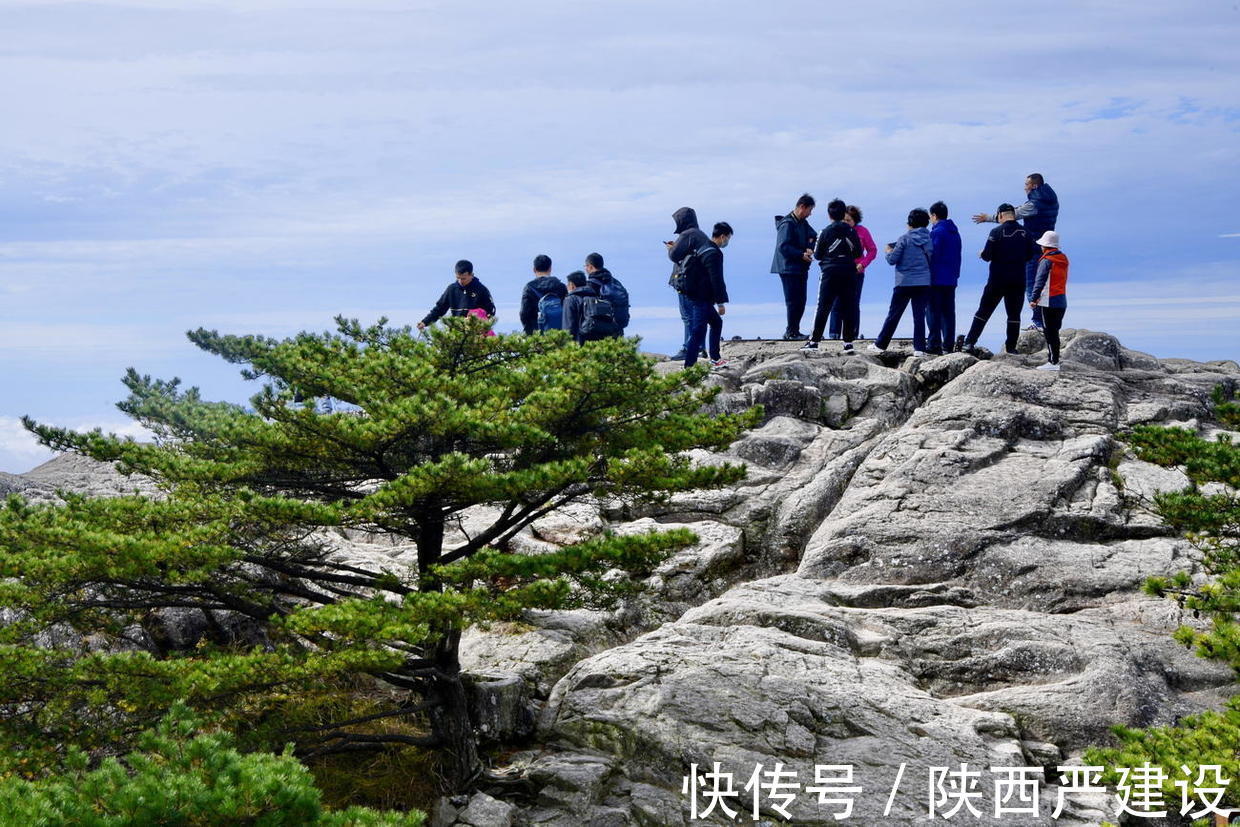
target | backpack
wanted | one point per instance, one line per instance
(550, 311)
(598, 320)
(684, 273)
(617, 300)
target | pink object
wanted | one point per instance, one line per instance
(479, 313)
(867, 242)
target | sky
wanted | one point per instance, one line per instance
(260, 166)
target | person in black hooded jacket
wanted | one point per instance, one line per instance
(543, 284)
(608, 287)
(689, 239)
(705, 291)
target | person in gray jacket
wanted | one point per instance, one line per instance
(911, 257)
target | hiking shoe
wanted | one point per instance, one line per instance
(795, 337)
(1048, 366)
(680, 356)
(809, 346)
(873, 348)
(848, 348)
(719, 363)
(1033, 327)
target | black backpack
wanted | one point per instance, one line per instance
(598, 320)
(686, 272)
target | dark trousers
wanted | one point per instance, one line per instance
(941, 317)
(1053, 319)
(703, 315)
(1031, 275)
(686, 317)
(1011, 292)
(795, 290)
(900, 298)
(837, 285)
(837, 316)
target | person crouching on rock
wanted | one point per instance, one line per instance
(1050, 292)
(465, 294)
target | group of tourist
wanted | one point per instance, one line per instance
(1026, 266)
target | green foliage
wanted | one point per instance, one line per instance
(1210, 738)
(1208, 513)
(179, 777)
(250, 498)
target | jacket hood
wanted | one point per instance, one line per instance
(685, 218)
(601, 275)
(587, 290)
(946, 226)
(919, 237)
(548, 284)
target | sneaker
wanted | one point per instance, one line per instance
(809, 346)
(1049, 366)
(703, 354)
(960, 343)
(1032, 327)
(795, 337)
(848, 348)
(873, 348)
(680, 355)
(918, 354)
(719, 363)
(969, 348)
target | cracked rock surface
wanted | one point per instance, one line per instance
(931, 562)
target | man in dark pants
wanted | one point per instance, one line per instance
(794, 249)
(837, 251)
(465, 294)
(707, 293)
(944, 276)
(1039, 213)
(1009, 247)
(689, 239)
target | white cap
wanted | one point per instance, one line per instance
(1050, 238)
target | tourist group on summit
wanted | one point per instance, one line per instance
(1026, 264)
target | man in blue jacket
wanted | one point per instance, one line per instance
(794, 249)
(944, 276)
(1039, 214)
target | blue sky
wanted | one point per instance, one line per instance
(261, 166)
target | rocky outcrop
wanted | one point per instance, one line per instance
(953, 554)
(932, 562)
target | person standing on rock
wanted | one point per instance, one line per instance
(794, 249)
(1039, 213)
(910, 255)
(1050, 293)
(1008, 249)
(944, 276)
(837, 252)
(542, 300)
(462, 296)
(707, 293)
(853, 217)
(587, 316)
(689, 240)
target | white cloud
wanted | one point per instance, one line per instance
(20, 451)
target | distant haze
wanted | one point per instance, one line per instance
(261, 166)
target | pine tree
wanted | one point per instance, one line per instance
(1207, 512)
(250, 494)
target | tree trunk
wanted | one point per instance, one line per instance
(450, 717)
